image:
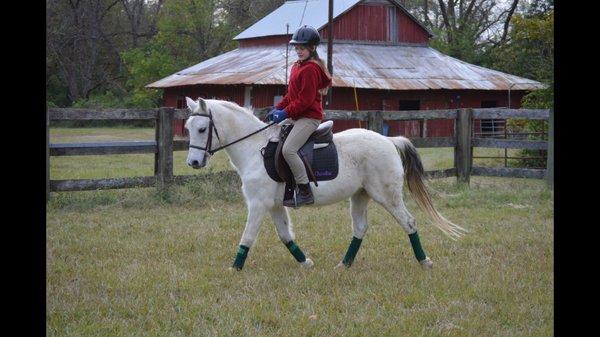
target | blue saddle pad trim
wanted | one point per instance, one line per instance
(324, 160)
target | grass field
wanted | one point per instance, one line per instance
(135, 263)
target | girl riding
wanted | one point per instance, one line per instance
(309, 80)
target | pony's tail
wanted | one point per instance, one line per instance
(415, 177)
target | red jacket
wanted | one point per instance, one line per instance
(302, 99)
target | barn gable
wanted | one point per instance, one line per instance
(356, 20)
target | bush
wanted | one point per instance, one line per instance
(539, 99)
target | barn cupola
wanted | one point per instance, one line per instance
(355, 21)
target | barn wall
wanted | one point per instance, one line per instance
(409, 31)
(368, 99)
(266, 41)
(370, 23)
(363, 23)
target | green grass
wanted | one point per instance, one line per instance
(132, 262)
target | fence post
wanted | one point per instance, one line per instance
(463, 151)
(550, 153)
(376, 122)
(47, 155)
(164, 142)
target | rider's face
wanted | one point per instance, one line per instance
(302, 51)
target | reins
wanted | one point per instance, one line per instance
(211, 127)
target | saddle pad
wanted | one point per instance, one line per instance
(324, 162)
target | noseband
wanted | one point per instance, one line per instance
(211, 127)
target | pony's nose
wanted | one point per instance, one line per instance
(195, 163)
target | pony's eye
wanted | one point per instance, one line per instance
(202, 130)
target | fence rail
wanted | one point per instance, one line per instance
(510, 144)
(81, 149)
(164, 144)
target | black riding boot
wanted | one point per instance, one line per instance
(304, 196)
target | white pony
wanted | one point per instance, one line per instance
(371, 166)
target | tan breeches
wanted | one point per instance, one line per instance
(303, 128)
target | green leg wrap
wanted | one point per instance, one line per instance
(352, 250)
(240, 258)
(416, 246)
(296, 251)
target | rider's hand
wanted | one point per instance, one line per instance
(269, 116)
(279, 115)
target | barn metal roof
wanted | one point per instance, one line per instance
(369, 66)
(291, 12)
(315, 15)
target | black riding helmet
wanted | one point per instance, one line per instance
(306, 35)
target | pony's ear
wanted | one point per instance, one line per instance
(191, 104)
(202, 105)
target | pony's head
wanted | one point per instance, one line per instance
(202, 135)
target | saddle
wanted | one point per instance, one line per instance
(318, 154)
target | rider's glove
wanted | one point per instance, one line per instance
(269, 116)
(278, 115)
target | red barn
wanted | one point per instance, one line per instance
(381, 61)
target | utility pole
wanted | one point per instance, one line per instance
(330, 51)
(287, 48)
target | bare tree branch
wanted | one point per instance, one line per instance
(426, 13)
(508, 18)
(468, 11)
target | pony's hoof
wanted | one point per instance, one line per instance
(340, 266)
(426, 263)
(307, 264)
(232, 269)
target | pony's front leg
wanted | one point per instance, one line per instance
(256, 213)
(286, 235)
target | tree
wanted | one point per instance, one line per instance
(241, 14)
(464, 28)
(530, 52)
(84, 42)
(189, 31)
(77, 37)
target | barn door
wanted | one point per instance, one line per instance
(248, 96)
(403, 128)
(178, 124)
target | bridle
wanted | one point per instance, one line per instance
(211, 127)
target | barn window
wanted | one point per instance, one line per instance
(410, 105)
(392, 24)
(410, 128)
(248, 96)
(178, 124)
(181, 104)
(491, 127)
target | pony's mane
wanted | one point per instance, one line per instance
(234, 106)
(270, 132)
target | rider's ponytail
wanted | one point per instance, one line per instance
(314, 55)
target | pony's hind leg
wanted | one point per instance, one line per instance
(358, 209)
(394, 204)
(286, 235)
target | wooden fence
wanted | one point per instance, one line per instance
(164, 144)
